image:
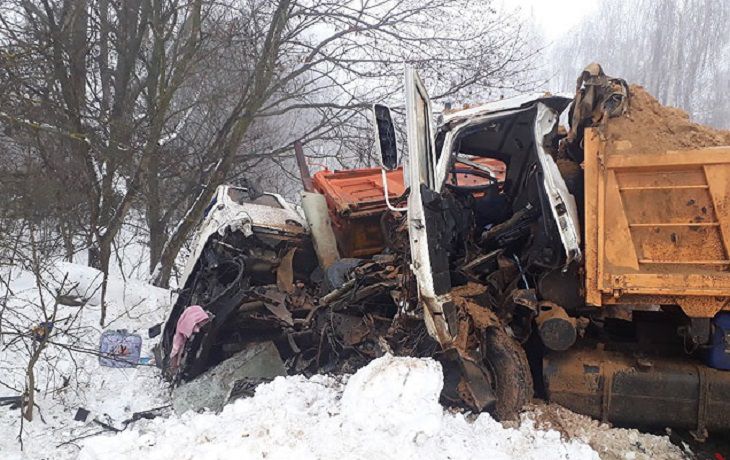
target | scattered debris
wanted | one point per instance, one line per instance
(610, 443)
(42, 331)
(81, 414)
(119, 349)
(154, 331)
(213, 389)
(13, 402)
(71, 300)
(148, 414)
(192, 320)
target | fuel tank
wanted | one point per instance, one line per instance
(640, 391)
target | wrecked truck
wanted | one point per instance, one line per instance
(246, 242)
(562, 276)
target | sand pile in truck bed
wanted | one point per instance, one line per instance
(650, 127)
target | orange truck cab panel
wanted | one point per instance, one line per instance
(355, 199)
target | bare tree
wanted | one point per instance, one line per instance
(102, 75)
(327, 62)
(678, 49)
(151, 104)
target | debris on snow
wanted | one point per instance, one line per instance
(70, 380)
(388, 409)
(212, 390)
(610, 443)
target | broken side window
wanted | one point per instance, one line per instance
(242, 196)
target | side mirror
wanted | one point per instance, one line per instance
(386, 146)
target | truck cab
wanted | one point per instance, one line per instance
(533, 192)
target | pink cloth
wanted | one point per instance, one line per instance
(190, 322)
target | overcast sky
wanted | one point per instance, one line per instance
(554, 17)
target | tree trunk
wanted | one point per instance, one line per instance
(29, 401)
(155, 225)
(68, 241)
(94, 255)
(105, 252)
(158, 236)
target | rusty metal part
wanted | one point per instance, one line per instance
(303, 168)
(597, 97)
(481, 264)
(493, 371)
(644, 392)
(285, 272)
(524, 297)
(338, 293)
(394, 226)
(481, 316)
(557, 330)
(275, 302)
(466, 380)
(353, 329)
(562, 287)
(251, 306)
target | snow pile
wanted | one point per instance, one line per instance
(388, 410)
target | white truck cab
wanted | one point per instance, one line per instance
(511, 130)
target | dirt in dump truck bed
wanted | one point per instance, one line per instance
(650, 127)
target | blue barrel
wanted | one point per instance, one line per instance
(718, 356)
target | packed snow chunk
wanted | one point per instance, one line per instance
(387, 410)
(403, 410)
(283, 420)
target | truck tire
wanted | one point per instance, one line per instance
(512, 379)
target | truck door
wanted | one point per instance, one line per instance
(426, 223)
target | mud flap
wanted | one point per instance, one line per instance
(466, 381)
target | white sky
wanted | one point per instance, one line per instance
(554, 17)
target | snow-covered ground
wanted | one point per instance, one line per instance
(388, 409)
(68, 376)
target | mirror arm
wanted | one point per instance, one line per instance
(385, 192)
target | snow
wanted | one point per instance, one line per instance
(111, 395)
(610, 443)
(389, 409)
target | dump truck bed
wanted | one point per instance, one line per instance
(657, 227)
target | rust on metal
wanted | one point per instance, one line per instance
(676, 252)
(303, 168)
